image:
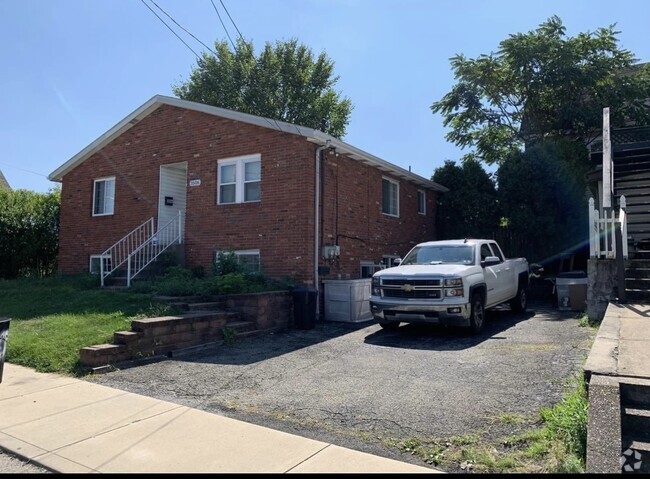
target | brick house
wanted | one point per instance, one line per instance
(288, 200)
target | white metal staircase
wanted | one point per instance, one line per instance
(140, 248)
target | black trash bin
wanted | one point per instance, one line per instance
(4, 333)
(304, 307)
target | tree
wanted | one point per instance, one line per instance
(543, 192)
(470, 208)
(29, 233)
(542, 85)
(285, 82)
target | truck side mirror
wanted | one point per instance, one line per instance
(397, 261)
(490, 261)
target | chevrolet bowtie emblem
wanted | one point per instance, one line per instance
(407, 287)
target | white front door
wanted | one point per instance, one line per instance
(172, 194)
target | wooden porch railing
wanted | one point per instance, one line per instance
(602, 231)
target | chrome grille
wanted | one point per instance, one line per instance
(412, 282)
(413, 294)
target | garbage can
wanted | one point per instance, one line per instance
(304, 307)
(4, 332)
(571, 290)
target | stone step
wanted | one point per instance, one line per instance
(150, 324)
(126, 337)
(102, 354)
(241, 326)
(181, 299)
(209, 306)
(635, 422)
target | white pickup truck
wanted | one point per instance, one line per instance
(448, 282)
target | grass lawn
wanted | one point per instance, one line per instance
(53, 318)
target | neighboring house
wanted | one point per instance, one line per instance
(290, 201)
(624, 171)
(4, 184)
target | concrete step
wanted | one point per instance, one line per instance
(637, 263)
(635, 393)
(635, 422)
(634, 282)
(637, 273)
(640, 295)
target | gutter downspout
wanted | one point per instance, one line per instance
(316, 220)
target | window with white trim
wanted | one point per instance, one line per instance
(422, 202)
(239, 179)
(248, 259)
(368, 268)
(94, 266)
(104, 196)
(387, 260)
(389, 197)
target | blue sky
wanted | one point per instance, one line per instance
(71, 69)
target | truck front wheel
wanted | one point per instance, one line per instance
(477, 314)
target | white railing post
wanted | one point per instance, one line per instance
(612, 232)
(128, 272)
(593, 230)
(597, 225)
(180, 227)
(623, 220)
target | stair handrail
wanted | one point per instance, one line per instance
(147, 252)
(119, 252)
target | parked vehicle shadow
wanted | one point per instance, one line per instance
(440, 338)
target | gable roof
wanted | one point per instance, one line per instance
(314, 136)
(4, 184)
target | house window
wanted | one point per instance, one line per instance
(239, 179)
(389, 197)
(95, 267)
(104, 196)
(248, 259)
(422, 202)
(387, 260)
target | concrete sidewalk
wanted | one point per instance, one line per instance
(69, 425)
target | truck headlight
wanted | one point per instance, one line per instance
(454, 292)
(454, 283)
(375, 280)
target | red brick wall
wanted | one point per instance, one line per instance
(280, 225)
(353, 218)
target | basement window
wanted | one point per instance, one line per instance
(248, 259)
(104, 196)
(95, 266)
(239, 179)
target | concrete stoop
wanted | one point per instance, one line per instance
(618, 433)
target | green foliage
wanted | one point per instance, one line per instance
(542, 192)
(228, 336)
(567, 421)
(540, 85)
(285, 82)
(470, 208)
(29, 232)
(227, 263)
(52, 318)
(233, 283)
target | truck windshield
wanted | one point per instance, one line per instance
(447, 254)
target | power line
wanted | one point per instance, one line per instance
(181, 27)
(170, 28)
(223, 25)
(23, 169)
(233, 22)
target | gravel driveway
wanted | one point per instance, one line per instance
(359, 386)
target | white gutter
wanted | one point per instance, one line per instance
(316, 219)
